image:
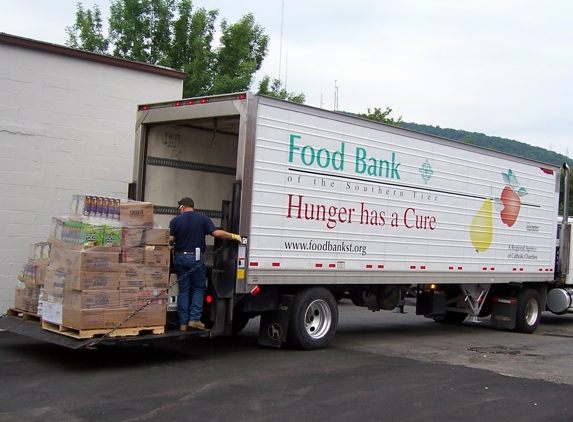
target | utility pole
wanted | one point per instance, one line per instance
(281, 46)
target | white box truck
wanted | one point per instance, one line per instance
(329, 204)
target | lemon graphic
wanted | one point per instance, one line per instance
(481, 229)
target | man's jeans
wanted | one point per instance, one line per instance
(194, 283)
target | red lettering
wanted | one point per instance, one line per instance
(290, 206)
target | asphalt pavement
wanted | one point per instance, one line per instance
(380, 367)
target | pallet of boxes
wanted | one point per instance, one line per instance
(107, 260)
(28, 300)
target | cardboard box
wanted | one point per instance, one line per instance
(84, 318)
(40, 271)
(128, 297)
(157, 277)
(109, 318)
(132, 275)
(54, 286)
(52, 312)
(157, 237)
(92, 259)
(28, 290)
(90, 280)
(157, 256)
(136, 214)
(26, 304)
(132, 237)
(94, 299)
(133, 256)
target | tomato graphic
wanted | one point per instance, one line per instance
(511, 199)
(512, 204)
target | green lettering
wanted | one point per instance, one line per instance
(292, 148)
(360, 162)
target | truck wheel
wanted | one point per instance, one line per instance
(528, 311)
(313, 320)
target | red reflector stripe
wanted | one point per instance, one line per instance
(190, 102)
(459, 268)
(484, 268)
(546, 171)
(318, 265)
(276, 264)
(412, 267)
(331, 265)
(253, 264)
(380, 266)
(423, 267)
(368, 265)
(450, 268)
(178, 104)
(204, 101)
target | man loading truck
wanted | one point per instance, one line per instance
(187, 232)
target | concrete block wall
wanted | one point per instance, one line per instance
(66, 126)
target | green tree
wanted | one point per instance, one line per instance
(244, 47)
(170, 33)
(468, 140)
(87, 32)
(381, 116)
(274, 88)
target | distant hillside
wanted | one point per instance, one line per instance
(499, 144)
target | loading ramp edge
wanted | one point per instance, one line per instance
(34, 330)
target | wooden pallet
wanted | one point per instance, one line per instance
(26, 316)
(90, 333)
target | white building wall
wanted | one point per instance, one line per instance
(66, 126)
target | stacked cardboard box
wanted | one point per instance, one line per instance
(101, 270)
(30, 287)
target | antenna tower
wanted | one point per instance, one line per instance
(335, 96)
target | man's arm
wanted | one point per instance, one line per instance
(171, 239)
(222, 234)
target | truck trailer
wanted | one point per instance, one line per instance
(330, 205)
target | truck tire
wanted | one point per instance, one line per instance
(528, 311)
(313, 320)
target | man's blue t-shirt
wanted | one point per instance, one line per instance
(190, 229)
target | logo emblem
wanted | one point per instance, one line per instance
(426, 171)
(275, 331)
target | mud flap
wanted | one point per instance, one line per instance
(273, 327)
(503, 313)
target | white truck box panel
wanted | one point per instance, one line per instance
(392, 201)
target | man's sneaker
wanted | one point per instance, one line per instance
(197, 325)
(182, 328)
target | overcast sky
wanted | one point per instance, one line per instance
(499, 67)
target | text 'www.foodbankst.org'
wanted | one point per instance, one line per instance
(326, 246)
